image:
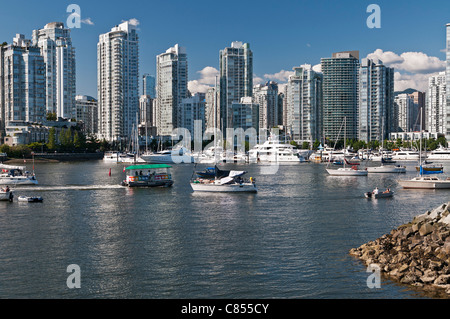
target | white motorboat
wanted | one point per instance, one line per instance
(6, 194)
(439, 154)
(426, 182)
(387, 169)
(117, 157)
(175, 156)
(30, 199)
(326, 154)
(406, 155)
(347, 171)
(274, 151)
(16, 175)
(233, 183)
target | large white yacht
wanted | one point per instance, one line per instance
(405, 155)
(274, 151)
(175, 156)
(439, 154)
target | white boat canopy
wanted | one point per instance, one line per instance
(236, 173)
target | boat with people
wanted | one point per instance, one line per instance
(16, 175)
(375, 194)
(6, 194)
(233, 183)
(273, 150)
(148, 175)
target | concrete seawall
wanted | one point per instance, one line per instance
(416, 254)
(60, 157)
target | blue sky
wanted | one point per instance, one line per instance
(282, 33)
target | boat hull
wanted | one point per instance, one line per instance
(347, 172)
(6, 196)
(148, 183)
(387, 169)
(156, 159)
(233, 188)
(425, 184)
(19, 180)
(379, 195)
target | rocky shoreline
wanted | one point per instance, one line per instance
(415, 254)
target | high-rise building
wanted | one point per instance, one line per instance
(419, 110)
(340, 95)
(236, 79)
(149, 86)
(211, 107)
(447, 125)
(245, 114)
(59, 56)
(22, 83)
(118, 82)
(376, 101)
(193, 109)
(172, 81)
(266, 95)
(436, 104)
(304, 104)
(405, 108)
(87, 113)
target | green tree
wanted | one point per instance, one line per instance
(51, 145)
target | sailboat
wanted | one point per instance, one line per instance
(425, 182)
(386, 168)
(346, 171)
(232, 182)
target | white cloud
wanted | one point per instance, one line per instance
(412, 69)
(207, 80)
(87, 21)
(414, 62)
(258, 80)
(133, 21)
(282, 76)
(317, 68)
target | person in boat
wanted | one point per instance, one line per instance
(387, 191)
(7, 189)
(375, 191)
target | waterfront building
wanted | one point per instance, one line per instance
(59, 56)
(266, 95)
(376, 101)
(172, 87)
(280, 107)
(340, 95)
(436, 104)
(149, 86)
(192, 109)
(236, 79)
(405, 108)
(211, 104)
(304, 104)
(118, 82)
(22, 83)
(245, 114)
(87, 113)
(419, 109)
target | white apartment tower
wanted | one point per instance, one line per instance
(376, 101)
(118, 82)
(59, 56)
(22, 83)
(172, 87)
(236, 79)
(436, 104)
(304, 104)
(266, 95)
(405, 108)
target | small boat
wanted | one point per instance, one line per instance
(30, 199)
(350, 163)
(16, 175)
(175, 156)
(387, 169)
(385, 194)
(150, 175)
(6, 194)
(430, 169)
(232, 183)
(347, 171)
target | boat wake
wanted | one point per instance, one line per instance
(67, 187)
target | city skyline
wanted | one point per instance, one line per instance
(281, 37)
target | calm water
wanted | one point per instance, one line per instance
(291, 240)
